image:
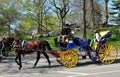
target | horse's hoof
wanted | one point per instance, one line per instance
(49, 65)
(20, 68)
(0, 59)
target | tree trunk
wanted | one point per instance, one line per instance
(38, 22)
(92, 14)
(62, 22)
(84, 21)
(9, 30)
(106, 12)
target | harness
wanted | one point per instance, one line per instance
(24, 43)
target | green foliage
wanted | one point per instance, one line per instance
(8, 15)
(50, 22)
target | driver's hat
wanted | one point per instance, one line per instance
(67, 25)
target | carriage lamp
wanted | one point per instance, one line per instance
(66, 40)
(72, 32)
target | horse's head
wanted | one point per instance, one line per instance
(10, 40)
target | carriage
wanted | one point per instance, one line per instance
(69, 49)
(104, 52)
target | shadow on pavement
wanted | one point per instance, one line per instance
(45, 66)
(97, 63)
(117, 60)
(10, 60)
(7, 59)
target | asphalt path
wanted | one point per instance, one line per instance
(85, 68)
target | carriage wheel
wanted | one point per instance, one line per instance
(69, 58)
(107, 53)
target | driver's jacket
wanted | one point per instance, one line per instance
(65, 33)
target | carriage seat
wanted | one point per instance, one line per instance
(104, 36)
(62, 38)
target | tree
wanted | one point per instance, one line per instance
(39, 5)
(9, 13)
(36, 17)
(94, 12)
(35, 8)
(61, 9)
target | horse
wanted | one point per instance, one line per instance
(31, 47)
(5, 46)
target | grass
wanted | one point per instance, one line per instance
(116, 44)
(51, 42)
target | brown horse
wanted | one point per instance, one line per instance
(30, 47)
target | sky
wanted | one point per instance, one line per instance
(109, 3)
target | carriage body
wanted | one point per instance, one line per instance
(105, 52)
(75, 42)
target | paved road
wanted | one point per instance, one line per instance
(85, 68)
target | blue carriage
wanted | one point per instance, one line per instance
(105, 52)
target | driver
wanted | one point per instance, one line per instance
(65, 33)
(66, 30)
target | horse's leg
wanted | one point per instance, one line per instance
(20, 63)
(38, 57)
(3, 52)
(16, 60)
(47, 57)
(0, 55)
(7, 52)
(0, 52)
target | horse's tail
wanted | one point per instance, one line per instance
(48, 45)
